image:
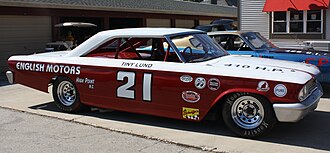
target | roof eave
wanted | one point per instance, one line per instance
(109, 8)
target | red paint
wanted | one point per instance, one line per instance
(166, 90)
(287, 5)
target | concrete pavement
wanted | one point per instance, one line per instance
(23, 132)
(310, 135)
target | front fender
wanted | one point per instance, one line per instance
(227, 92)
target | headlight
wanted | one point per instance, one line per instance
(307, 89)
(303, 93)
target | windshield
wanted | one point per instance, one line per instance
(258, 41)
(197, 47)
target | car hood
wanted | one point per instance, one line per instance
(267, 69)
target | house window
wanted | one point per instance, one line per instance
(279, 22)
(298, 21)
(314, 21)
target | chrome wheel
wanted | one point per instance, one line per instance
(66, 93)
(247, 112)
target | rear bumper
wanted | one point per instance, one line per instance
(294, 112)
(10, 76)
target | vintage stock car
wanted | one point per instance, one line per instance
(255, 45)
(142, 70)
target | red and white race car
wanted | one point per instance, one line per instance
(174, 73)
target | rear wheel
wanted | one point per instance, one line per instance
(66, 95)
(248, 115)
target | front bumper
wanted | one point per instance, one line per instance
(294, 112)
(10, 77)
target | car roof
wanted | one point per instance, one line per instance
(227, 32)
(101, 37)
(154, 32)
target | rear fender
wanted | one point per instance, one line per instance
(33, 80)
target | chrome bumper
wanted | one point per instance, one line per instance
(296, 111)
(10, 77)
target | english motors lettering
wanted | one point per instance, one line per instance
(50, 68)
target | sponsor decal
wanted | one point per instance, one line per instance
(280, 90)
(213, 84)
(262, 68)
(200, 83)
(133, 64)
(191, 96)
(186, 78)
(320, 61)
(190, 113)
(50, 68)
(88, 81)
(263, 86)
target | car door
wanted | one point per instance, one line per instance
(147, 85)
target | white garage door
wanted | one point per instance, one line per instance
(22, 35)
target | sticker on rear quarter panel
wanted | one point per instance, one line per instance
(190, 113)
(280, 90)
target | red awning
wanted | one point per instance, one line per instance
(291, 5)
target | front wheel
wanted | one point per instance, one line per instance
(248, 115)
(66, 95)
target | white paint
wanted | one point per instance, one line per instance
(147, 79)
(123, 91)
(102, 37)
(212, 67)
(327, 24)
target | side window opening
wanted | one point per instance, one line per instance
(232, 43)
(153, 49)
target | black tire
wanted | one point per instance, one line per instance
(248, 115)
(66, 95)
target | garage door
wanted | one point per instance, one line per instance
(180, 23)
(22, 35)
(158, 23)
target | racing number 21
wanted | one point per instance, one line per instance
(126, 91)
